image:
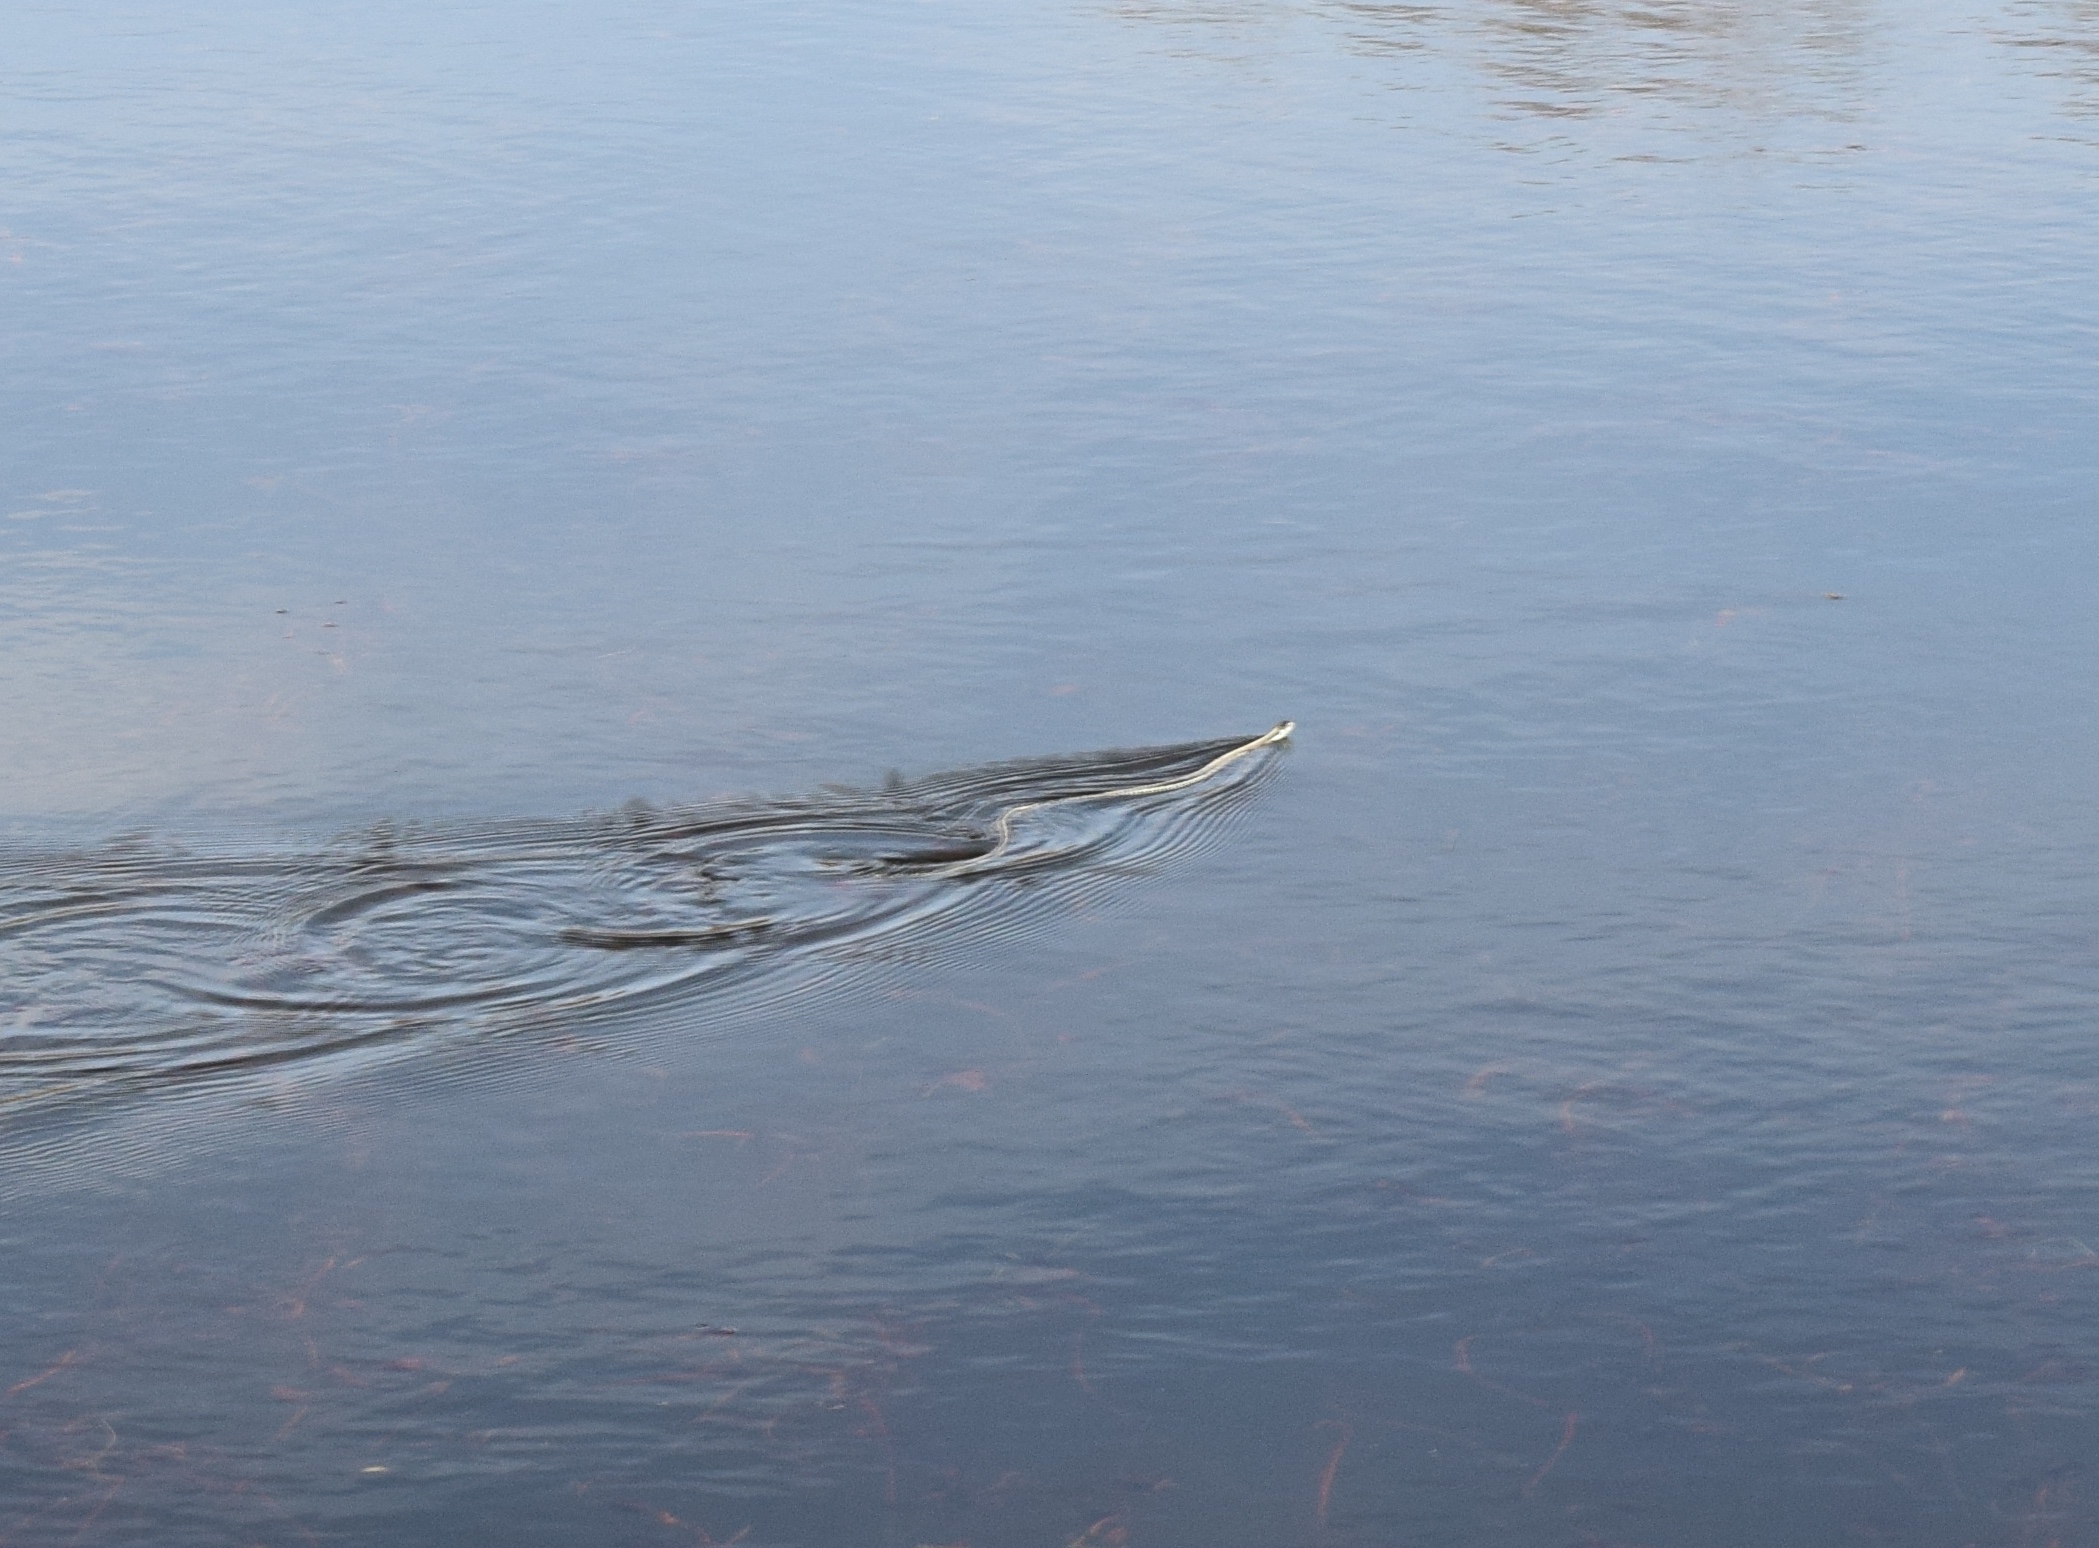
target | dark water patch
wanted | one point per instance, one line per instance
(146, 962)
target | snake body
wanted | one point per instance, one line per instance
(1002, 827)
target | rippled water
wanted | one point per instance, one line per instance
(142, 964)
(508, 1039)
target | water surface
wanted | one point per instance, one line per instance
(1625, 1079)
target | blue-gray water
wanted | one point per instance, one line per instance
(1624, 1075)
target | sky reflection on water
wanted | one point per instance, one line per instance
(1627, 1079)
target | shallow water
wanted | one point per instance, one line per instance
(1622, 1076)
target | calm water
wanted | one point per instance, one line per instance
(530, 532)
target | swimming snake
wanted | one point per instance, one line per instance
(1003, 826)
